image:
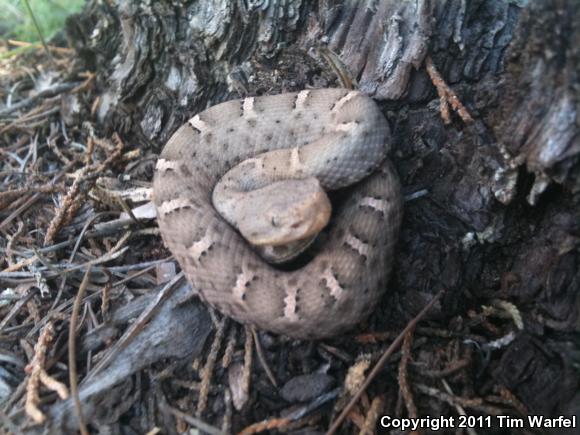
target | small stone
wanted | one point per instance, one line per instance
(306, 387)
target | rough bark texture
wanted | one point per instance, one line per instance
(492, 210)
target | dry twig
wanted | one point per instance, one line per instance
(403, 378)
(248, 360)
(73, 200)
(458, 407)
(378, 367)
(72, 362)
(39, 376)
(478, 404)
(207, 370)
(278, 423)
(194, 422)
(372, 416)
(446, 95)
(230, 347)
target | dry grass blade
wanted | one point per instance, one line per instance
(263, 360)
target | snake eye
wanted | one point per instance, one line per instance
(274, 222)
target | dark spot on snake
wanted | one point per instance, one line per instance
(195, 129)
(231, 130)
(185, 170)
(252, 122)
(277, 121)
(292, 282)
(314, 116)
(208, 138)
(268, 137)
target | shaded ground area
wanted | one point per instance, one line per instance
(90, 303)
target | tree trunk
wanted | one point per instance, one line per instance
(492, 206)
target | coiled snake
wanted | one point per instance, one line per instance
(318, 139)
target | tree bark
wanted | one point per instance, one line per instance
(492, 207)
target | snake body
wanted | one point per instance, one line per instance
(337, 136)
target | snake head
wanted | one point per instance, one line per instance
(284, 212)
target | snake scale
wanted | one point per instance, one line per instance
(337, 137)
